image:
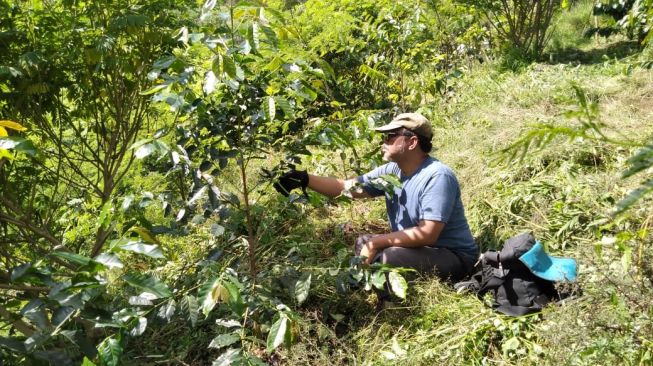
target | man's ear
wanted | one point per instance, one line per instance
(413, 143)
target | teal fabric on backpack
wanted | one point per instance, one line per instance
(549, 267)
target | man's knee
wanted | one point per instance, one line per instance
(392, 256)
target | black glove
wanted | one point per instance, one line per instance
(291, 180)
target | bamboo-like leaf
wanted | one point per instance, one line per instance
(277, 333)
(641, 161)
(148, 284)
(398, 284)
(645, 189)
(12, 125)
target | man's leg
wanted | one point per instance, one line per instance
(428, 260)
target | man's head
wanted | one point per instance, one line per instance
(407, 127)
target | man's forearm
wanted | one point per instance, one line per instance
(328, 186)
(426, 233)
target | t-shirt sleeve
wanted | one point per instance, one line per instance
(365, 179)
(439, 198)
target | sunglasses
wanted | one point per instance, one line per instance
(390, 136)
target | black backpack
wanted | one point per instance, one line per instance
(516, 290)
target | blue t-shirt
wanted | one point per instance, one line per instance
(431, 193)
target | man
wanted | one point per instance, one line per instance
(429, 229)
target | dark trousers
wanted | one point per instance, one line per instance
(441, 262)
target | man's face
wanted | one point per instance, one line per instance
(395, 143)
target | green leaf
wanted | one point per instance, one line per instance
(216, 66)
(217, 230)
(109, 260)
(18, 144)
(87, 362)
(164, 62)
(145, 150)
(274, 64)
(398, 284)
(285, 106)
(233, 297)
(277, 333)
(153, 251)
(167, 310)
(139, 328)
(228, 358)
(253, 36)
(190, 307)
(270, 35)
(73, 257)
(127, 201)
(210, 81)
(109, 352)
(302, 287)
(229, 66)
(224, 340)
(154, 89)
(378, 279)
(269, 107)
(511, 344)
(210, 293)
(148, 284)
(145, 234)
(105, 215)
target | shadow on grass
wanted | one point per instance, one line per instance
(615, 50)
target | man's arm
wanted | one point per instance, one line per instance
(425, 233)
(332, 187)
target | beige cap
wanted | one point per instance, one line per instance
(412, 121)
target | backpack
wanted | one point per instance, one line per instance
(514, 287)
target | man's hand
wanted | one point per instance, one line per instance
(291, 180)
(369, 252)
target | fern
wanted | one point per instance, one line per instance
(589, 127)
